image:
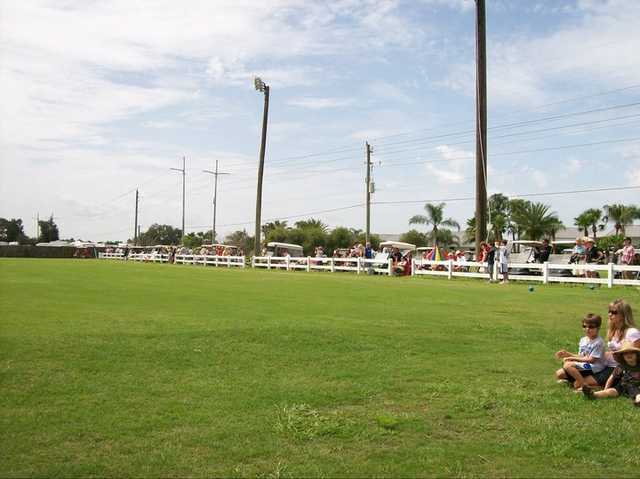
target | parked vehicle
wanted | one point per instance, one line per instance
(403, 247)
(522, 252)
(281, 249)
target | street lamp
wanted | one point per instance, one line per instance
(263, 87)
(215, 174)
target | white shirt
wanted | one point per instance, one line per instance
(631, 334)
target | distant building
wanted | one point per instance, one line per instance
(390, 237)
(569, 234)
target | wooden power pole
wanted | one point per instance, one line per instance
(135, 227)
(368, 194)
(481, 126)
(182, 170)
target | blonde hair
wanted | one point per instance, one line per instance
(618, 331)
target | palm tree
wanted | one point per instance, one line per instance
(582, 222)
(470, 231)
(620, 215)
(447, 238)
(516, 216)
(274, 225)
(499, 206)
(311, 224)
(554, 227)
(435, 218)
(536, 221)
(591, 218)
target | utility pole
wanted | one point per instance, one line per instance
(135, 227)
(37, 226)
(368, 193)
(263, 87)
(481, 126)
(215, 174)
(183, 194)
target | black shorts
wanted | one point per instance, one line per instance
(583, 372)
(603, 376)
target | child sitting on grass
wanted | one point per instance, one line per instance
(579, 369)
(625, 380)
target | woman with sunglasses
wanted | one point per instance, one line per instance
(621, 328)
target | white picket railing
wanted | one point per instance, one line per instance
(149, 257)
(111, 256)
(211, 260)
(544, 273)
(357, 265)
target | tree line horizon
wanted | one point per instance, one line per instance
(518, 218)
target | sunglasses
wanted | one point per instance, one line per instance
(586, 326)
(613, 311)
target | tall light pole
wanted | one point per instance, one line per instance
(183, 194)
(481, 126)
(215, 174)
(263, 87)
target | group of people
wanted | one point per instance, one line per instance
(358, 250)
(151, 252)
(605, 370)
(499, 253)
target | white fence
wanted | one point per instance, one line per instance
(149, 257)
(544, 273)
(603, 274)
(357, 265)
(111, 256)
(211, 260)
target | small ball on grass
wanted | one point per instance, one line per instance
(531, 289)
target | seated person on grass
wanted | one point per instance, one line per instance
(625, 380)
(581, 369)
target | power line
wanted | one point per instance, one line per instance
(513, 195)
(506, 153)
(432, 200)
(512, 125)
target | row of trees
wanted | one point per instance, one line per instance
(307, 233)
(515, 217)
(13, 231)
(522, 219)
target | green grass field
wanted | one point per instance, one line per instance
(112, 369)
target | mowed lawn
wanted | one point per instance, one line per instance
(113, 369)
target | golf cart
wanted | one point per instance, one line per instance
(523, 252)
(282, 249)
(406, 249)
(562, 253)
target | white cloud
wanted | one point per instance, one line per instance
(574, 165)
(388, 91)
(454, 169)
(463, 5)
(320, 103)
(525, 70)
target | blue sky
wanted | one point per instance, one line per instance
(99, 98)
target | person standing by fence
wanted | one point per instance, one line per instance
(628, 257)
(503, 261)
(491, 259)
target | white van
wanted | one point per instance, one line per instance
(281, 249)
